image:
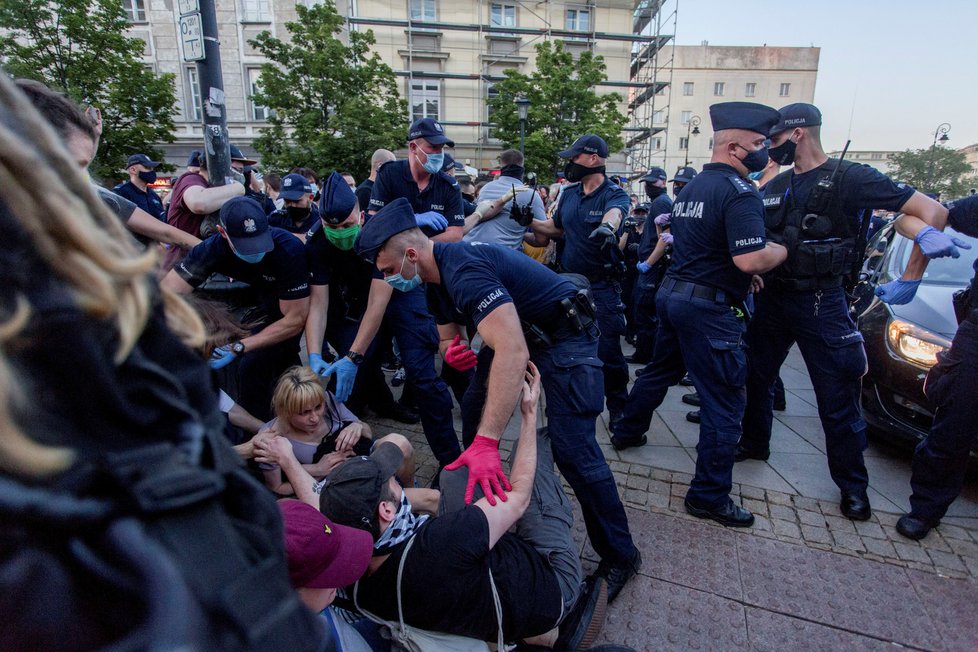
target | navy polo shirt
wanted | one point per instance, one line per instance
(477, 278)
(347, 275)
(717, 216)
(441, 195)
(578, 215)
(661, 204)
(281, 219)
(282, 274)
(149, 201)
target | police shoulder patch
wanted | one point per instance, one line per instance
(740, 184)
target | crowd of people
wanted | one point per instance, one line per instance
(484, 293)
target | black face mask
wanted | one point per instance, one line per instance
(297, 214)
(466, 197)
(574, 172)
(783, 154)
(676, 188)
(512, 171)
(148, 177)
(653, 190)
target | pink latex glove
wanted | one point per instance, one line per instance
(666, 237)
(482, 458)
(459, 356)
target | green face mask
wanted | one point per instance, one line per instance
(342, 238)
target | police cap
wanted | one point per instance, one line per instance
(449, 163)
(196, 156)
(393, 218)
(238, 155)
(796, 115)
(246, 225)
(295, 187)
(644, 206)
(685, 175)
(749, 116)
(655, 174)
(141, 159)
(586, 144)
(337, 200)
(431, 130)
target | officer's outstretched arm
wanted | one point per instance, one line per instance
(546, 228)
(450, 234)
(762, 260)
(145, 224)
(175, 283)
(316, 321)
(501, 330)
(294, 313)
(373, 316)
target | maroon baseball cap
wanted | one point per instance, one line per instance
(320, 553)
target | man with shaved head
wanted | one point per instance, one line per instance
(363, 191)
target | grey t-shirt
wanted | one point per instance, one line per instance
(501, 229)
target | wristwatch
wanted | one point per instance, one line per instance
(355, 358)
(238, 348)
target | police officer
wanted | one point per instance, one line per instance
(273, 262)
(718, 244)
(366, 187)
(504, 294)
(683, 176)
(298, 215)
(631, 236)
(142, 172)
(816, 210)
(588, 217)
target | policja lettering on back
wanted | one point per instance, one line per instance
(688, 209)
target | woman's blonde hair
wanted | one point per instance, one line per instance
(297, 390)
(82, 243)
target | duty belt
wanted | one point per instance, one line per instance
(701, 292)
(806, 284)
(575, 315)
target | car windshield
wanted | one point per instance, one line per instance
(945, 271)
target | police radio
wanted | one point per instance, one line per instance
(523, 215)
(817, 224)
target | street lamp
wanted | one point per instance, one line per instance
(522, 108)
(940, 134)
(692, 129)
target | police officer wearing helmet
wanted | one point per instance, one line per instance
(299, 215)
(142, 172)
(718, 244)
(522, 310)
(684, 176)
(588, 219)
(816, 210)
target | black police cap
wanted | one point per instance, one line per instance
(749, 116)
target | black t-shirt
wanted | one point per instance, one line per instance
(446, 587)
(363, 192)
(441, 195)
(347, 275)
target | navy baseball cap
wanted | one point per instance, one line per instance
(295, 187)
(655, 174)
(644, 206)
(586, 144)
(797, 115)
(393, 218)
(352, 490)
(431, 130)
(141, 159)
(337, 200)
(449, 163)
(196, 156)
(237, 155)
(749, 116)
(246, 225)
(685, 175)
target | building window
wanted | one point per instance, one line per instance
(425, 99)
(192, 96)
(687, 88)
(658, 117)
(685, 116)
(578, 20)
(502, 15)
(877, 156)
(256, 11)
(657, 143)
(423, 10)
(718, 88)
(750, 89)
(683, 142)
(785, 90)
(258, 113)
(135, 10)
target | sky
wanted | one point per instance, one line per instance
(898, 69)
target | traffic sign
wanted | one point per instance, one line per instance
(191, 38)
(188, 6)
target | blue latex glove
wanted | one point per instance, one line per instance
(346, 373)
(432, 220)
(897, 292)
(935, 244)
(222, 357)
(642, 266)
(317, 363)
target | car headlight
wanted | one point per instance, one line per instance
(915, 344)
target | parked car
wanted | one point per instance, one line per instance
(902, 342)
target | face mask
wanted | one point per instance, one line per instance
(755, 161)
(677, 188)
(783, 154)
(754, 176)
(297, 214)
(404, 525)
(148, 177)
(574, 172)
(652, 190)
(466, 197)
(251, 259)
(342, 239)
(434, 163)
(398, 282)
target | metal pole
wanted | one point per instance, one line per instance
(212, 100)
(939, 133)
(522, 126)
(689, 126)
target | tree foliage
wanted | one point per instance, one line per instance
(935, 169)
(80, 47)
(563, 106)
(333, 103)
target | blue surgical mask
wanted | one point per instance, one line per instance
(251, 259)
(398, 282)
(754, 176)
(434, 163)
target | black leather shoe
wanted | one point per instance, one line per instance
(401, 414)
(584, 622)
(618, 576)
(913, 528)
(692, 399)
(745, 454)
(730, 515)
(621, 443)
(686, 381)
(855, 506)
(693, 417)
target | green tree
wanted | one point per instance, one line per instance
(79, 47)
(935, 169)
(563, 106)
(334, 104)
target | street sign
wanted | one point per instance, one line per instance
(188, 6)
(191, 38)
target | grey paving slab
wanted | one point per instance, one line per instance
(794, 378)
(953, 606)
(809, 428)
(671, 458)
(808, 474)
(685, 432)
(891, 478)
(659, 434)
(773, 632)
(786, 440)
(800, 403)
(835, 590)
(760, 474)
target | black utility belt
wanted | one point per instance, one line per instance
(806, 284)
(701, 292)
(576, 315)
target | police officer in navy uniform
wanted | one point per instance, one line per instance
(588, 219)
(437, 203)
(142, 173)
(683, 176)
(718, 244)
(816, 210)
(273, 262)
(299, 214)
(503, 294)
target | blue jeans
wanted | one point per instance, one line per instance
(706, 337)
(611, 321)
(833, 352)
(941, 460)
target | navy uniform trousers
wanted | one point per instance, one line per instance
(941, 460)
(570, 371)
(707, 337)
(820, 323)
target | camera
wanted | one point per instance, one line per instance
(630, 225)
